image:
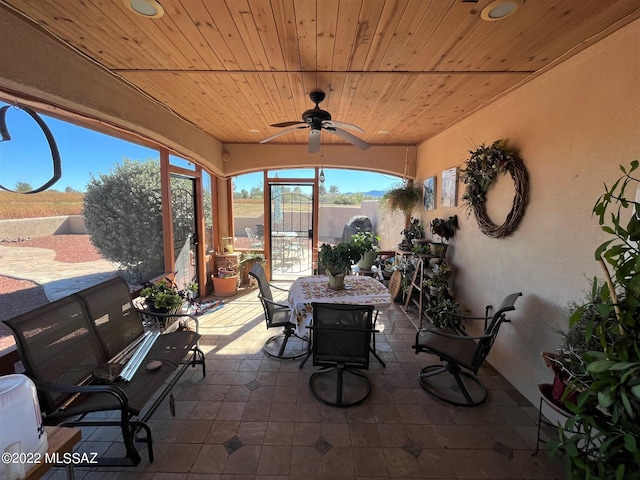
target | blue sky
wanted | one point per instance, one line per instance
(26, 158)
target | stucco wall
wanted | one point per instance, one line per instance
(42, 227)
(573, 126)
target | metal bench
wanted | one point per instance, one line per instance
(74, 349)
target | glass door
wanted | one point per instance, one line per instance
(291, 230)
(185, 236)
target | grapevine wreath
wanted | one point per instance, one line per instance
(481, 169)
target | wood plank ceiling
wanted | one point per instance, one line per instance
(408, 68)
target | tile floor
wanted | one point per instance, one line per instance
(253, 417)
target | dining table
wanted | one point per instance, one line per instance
(359, 290)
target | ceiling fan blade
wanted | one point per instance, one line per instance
(288, 124)
(282, 133)
(314, 141)
(333, 123)
(348, 137)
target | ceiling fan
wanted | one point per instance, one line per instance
(317, 120)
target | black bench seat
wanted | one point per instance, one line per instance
(67, 346)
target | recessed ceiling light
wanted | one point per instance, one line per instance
(145, 8)
(253, 130)
(500, 9)
(384, 132)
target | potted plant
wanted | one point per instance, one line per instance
(444, 229)
(444, 312)
(404, 198)
(337, 261)
(438, 283)
(225, 283)
(412, 234)
(366, 244)
(162, 296)
(607, 375)
(247, 260)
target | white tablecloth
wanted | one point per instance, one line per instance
(359, 290)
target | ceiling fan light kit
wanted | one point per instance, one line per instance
(316, 120)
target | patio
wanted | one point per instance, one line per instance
(253, 416)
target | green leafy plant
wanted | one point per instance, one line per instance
(164, 295)
(405, 199)
(338, 259)
(420, 249)
(250, 258)
(444, 312)
(445, 229)
(607, 377)
(364, 242)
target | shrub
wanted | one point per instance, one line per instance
(123, 214)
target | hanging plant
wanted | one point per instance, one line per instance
(405, 198)
(481, 170)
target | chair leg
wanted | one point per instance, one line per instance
(373, 342)
(539, 422)
(459, 376)
(281, 351)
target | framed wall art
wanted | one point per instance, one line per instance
(449, 187)
(429, 196)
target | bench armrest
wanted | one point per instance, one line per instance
(114, 390)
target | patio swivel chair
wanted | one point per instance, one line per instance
(288, 344)
(340, 344)
(459, 351)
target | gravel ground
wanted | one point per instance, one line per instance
(68, 248)
(19, 296)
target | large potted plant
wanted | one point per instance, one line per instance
(247, 260)
(366, 244)
(337, 261)
(607, 376)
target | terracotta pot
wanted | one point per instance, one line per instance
(225, 287)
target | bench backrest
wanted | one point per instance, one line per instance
(117, 322)
(57, 344)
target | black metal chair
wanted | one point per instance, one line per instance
(341, 343)
(288, 344)
(459, 351)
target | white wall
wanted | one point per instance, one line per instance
(573, 126)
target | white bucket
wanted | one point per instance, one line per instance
(22, 435)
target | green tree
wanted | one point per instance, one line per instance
(334, 189)
(22, 187)
(256, 192)
(123, 214)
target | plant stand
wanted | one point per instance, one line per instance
(415, 294)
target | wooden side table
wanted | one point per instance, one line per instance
(61, 440)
